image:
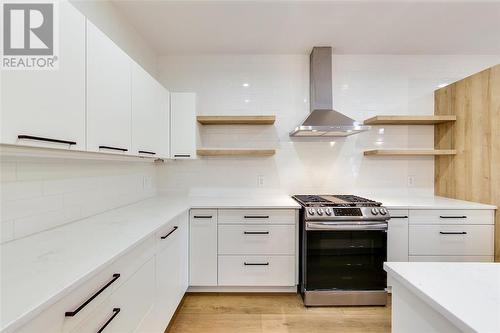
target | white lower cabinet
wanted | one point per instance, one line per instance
(243, 248)
(272, 271)
(397, 235)
(203, 247)
(138, 292)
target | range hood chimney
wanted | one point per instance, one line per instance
(323, 120)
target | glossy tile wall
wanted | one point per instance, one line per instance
(39, 194)
(364, 86)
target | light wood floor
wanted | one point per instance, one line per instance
(273, 313)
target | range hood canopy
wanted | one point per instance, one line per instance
(323, 120)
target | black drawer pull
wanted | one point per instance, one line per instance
(116, 311)
(38, 138)
(146, 152)
(453, 233)
(113, 148)
(256, 264)
(73, 313)
(170, 232)
(202, 216)
(453, 217)
(256, 232)
(399, 217)
(182, 155)
(256, 216)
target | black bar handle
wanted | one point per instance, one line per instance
(256, 264)
(453, 217)
(116, 311)
(202, 216)
(399, 217)
(182, 155)
(256, 232)
(146, 152)
(256, 216)
(38, 138)
(453, 233)
(113, 148)
(170, 232)
(116, 276)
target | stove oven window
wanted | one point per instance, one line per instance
(346, 260)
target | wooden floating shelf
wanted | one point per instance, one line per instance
(235, 152)
(409, 152)
(409, 120)
(236, 120)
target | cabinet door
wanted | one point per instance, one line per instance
(146, 112)
(108, 94)
(397, 235)
(164, 128)
(49, 104)
(203, 247)
(183, 125)
(171, 270)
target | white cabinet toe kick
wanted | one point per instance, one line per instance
(243, 250)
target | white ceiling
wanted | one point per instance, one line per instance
(370, 27)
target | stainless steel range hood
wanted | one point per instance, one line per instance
(323, 120)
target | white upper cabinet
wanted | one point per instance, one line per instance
(146, 113)
(163, 138)
(108, 94)
(40, 105)
(183, 125)
(150, 115)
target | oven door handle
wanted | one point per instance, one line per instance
(316, 226)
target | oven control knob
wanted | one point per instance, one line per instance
(328, 211)
(311, 211)
(383, 211)
(319, 211)
(375, 211)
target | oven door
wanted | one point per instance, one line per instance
(344, 256)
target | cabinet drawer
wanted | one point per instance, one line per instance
(54, 320)
(256, 270)
(451, 216)
(123, 311)
(468, 240)
(257, 239)
(451, 258)
(397, 235)
(256, 216)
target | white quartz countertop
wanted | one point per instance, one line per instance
(427, 202)
(467, 294)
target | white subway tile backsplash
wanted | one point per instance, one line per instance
(20, 190)
(6, 231)
(23, 208)
(39, 194)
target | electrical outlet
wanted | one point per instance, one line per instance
(260, 180)
(411, 181)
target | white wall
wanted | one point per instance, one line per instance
(110, 20)
(364, 86)
(40, 193)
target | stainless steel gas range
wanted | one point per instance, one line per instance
(343, 245)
